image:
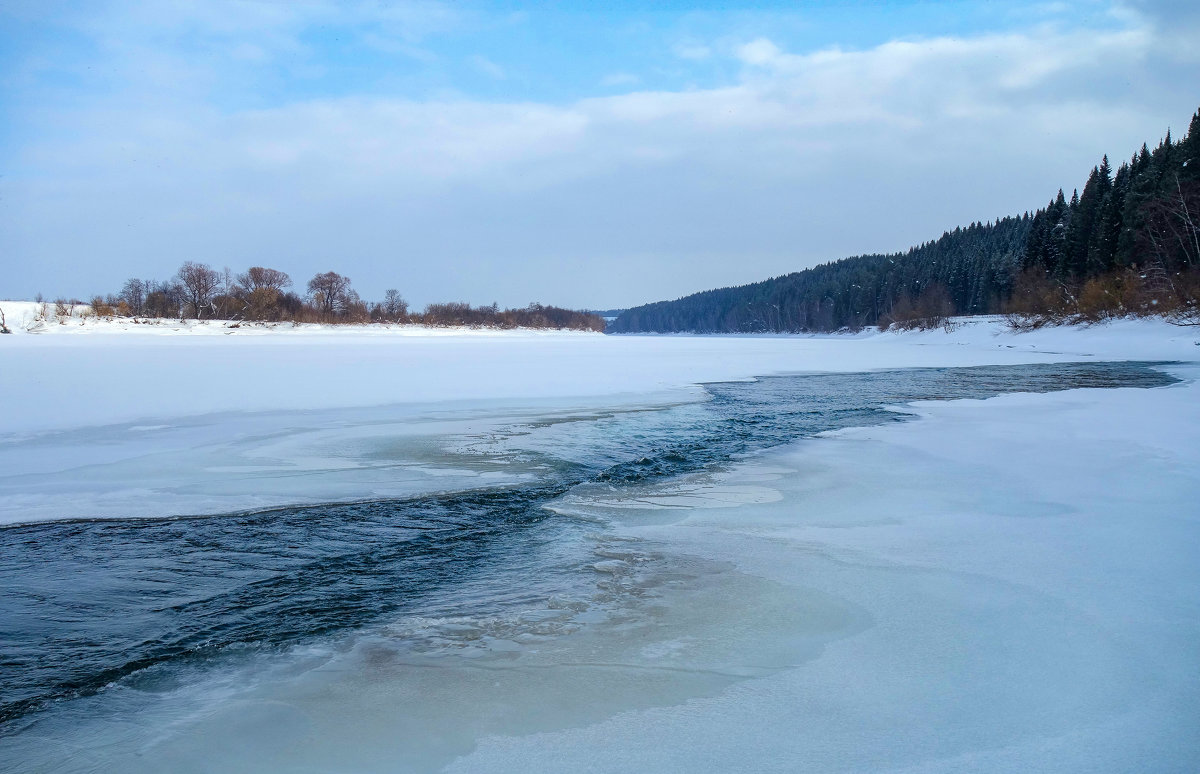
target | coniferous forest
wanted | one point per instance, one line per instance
(1127, 244)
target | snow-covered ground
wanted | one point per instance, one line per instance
(1002, 585)
(1024, 573)
(117, 419)
(79, 320)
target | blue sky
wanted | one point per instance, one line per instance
(588, 154)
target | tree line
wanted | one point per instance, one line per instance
(262, 294)
(966, 269)
(1128, 244)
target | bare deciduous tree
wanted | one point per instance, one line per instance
(328, 292)
(262, 290)
(262, 278)
(199, 281)
(1172, 226)
(394, 307)
(133, 293)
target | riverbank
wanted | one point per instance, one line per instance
(98, 375)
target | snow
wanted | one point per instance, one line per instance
(106, 419)
(40, 318)
(1029, 571)
(1002, 585)
(101, 373)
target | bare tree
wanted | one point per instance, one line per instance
(262, 289)
(394, 307)
(262, 278)
(329, 292)
(133, 293)
(199, 282)
(353, 309)
(1173, 225)
(163, 299)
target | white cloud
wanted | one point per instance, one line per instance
(487, 67)
(620, 79)
(603, 201)
(760, 52)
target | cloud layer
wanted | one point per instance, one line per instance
(798, 158)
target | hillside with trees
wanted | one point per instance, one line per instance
(1129, 244)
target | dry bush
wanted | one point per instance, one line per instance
(1102, 298)
(932, 309)
(1132, 292)
(1187, 292)
(263, 303)
(101, 308)
(1038, 299)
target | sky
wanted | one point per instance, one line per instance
(584, 154)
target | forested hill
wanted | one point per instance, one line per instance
(1091, 252)
(973, 267)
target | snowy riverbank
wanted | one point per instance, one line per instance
(78, 320)
(100, 375)
(119, 424)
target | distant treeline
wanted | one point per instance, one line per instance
(1128, 244)
(532, 316)
(263, 294)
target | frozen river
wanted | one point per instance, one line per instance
(553, 569)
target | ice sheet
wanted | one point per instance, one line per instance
(56, 380)
(1004, 585)
(116, 419)
(1031, 568)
